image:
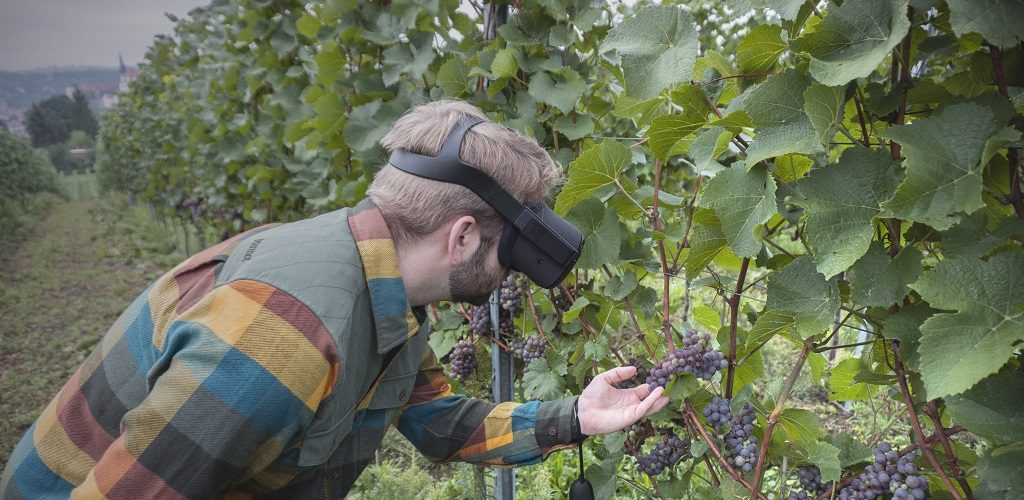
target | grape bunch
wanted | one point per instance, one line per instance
(811, 482)
(529, 349)
(510, 295)
(890, 473)
(561, 301)
(463, 359)
(695, 356)
(480, 322)
(740, 442)
(665, 454)
(506, 326)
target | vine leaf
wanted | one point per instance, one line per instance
(824, 106)
(946, 154)
(777, 108)
(760, 49)
(603, 232)
(561, 89)
(803, 291)
(879, 281)
(707, 147)
(658, 47)
(841, 201)
(959, 349)
(993, 409)
(842, 384)
(543, 379)
(597, 167)
(706, 240)
(905, 326)
(996, 20)
(742, 201)
(1002, 472)
(453, 77)
(853, 39)
(667, 130)
(826, 457)
(786, 9)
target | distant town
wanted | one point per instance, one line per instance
(20, 89)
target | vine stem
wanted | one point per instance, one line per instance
(827, 494)
(1013, 154)
(632, 316)
(734, 311)
(773, 419)
(666, 326)
(536, 318)
(918, 434)
(932, 411)
(690, 414)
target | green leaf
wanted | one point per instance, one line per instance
(575, 128)
(453, 77)
(826, 457)
(760, 49)
(364, 129)
(790, 168)
(308, 25)
(576, 308)
(329, 63)
(841, 385)
(824, 106)
(905, 326)
(879, 281)
(667, 130)
(841, 201)
(851, 451)
(597, 167)
(777, 108)
(707, 318)
(618, 287)
(993, 409)
(541, 381)
(996, 20)
(705, 243)
(800, 425)
(787, 9)
(1002, 470)
(802, 290)
(658, 46)
(707, 147)
(504, 64)
(602, 476)
(443, 341)
(770, 324)
(561, 89)
(959, 349)
(945, 159)
(854, 38)
(971, 237)
(603, 232)
(742, 200)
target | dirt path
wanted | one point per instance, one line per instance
(63, 286)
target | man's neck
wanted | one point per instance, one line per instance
(424, 283)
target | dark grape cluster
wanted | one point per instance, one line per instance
(740, 442)
(695, 356)
(529, 349)
(463, 359)
(560, 301)
(510, 295)
(811, 482)
(506, 326)
(665, 454)
(890, 473)
(480, 321)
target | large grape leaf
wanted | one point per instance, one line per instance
(1002, 473)
(853, 39)
(824, 106)
(961, 348)
(777, 109)
(999, 21)
(561, 89)
(743, 200)
(603, 232)
(946, 154)
(667, 130)
(879, 281)
(905, 326)
(597, 167)
(840, 201)
(453, 77)
(658, 47)
(760, 49)
(803, 291)
(826, 457)
(993, 409)
(706, 240)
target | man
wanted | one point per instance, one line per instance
(271, 364)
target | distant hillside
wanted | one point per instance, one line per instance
(21, 88)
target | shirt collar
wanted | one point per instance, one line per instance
(395, 320)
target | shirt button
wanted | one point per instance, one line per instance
(552, 431)
(401, 396)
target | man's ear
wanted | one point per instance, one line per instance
(463, 239)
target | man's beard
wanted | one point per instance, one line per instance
(470, 281)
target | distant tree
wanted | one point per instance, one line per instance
(49, 122)
(3, 126)
(81, 117)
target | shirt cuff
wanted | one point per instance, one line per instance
(556, 423)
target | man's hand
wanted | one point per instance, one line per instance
(604, 409)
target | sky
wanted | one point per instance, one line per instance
(41, 33)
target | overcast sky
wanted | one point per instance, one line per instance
(41, 33)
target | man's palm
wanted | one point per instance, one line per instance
(604, 409)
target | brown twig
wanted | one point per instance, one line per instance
(773, 419)
(734, 311)
(666, 325)
(931, 410)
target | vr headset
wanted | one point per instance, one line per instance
(536, 241)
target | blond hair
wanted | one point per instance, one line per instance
(413, 207)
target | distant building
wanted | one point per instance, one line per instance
(128, 74)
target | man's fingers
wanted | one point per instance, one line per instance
(616, 375)
(641, 391)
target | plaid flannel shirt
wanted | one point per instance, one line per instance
(226, 379)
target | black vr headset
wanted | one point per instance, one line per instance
(536, 241)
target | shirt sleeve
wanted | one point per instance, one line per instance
(240, 375)
(447, 427)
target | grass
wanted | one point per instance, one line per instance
(66, 279)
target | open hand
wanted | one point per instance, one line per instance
(604, 409)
